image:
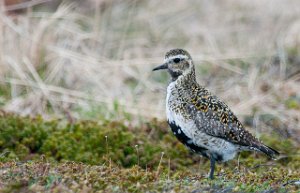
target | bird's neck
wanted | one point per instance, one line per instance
(186, 80)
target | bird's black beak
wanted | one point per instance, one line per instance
(161, 67)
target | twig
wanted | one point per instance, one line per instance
(106, 145)
(260, 165)
(158, 167)
(25, 5)
(137, 154)
(3, 154)
(169, 168)
(295, 182)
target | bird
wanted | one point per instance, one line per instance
(199, 119)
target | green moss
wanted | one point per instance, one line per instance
(114, 157)
(87, 141)
(292, 103)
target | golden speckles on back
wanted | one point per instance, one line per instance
(224, 118)
(201, 103)
(211, 115)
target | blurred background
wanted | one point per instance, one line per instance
(93, 59)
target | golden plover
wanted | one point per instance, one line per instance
(199, 119)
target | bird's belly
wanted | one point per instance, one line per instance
(198, 141)
(221, 149)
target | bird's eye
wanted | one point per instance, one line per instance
(176, 60)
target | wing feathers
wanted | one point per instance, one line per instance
(213, 117)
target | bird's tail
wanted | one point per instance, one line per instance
(272, 153)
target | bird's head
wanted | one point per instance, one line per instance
(178, 62)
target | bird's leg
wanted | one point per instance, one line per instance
(212, 167)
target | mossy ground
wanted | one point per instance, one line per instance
(86, 156)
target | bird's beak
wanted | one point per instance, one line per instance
(161, 67)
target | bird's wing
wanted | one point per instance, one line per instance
(213, 117)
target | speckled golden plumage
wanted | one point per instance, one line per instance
(199, 119)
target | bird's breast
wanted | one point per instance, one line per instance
(177, 113)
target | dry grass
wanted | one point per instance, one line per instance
(42, 176)
(101, 54)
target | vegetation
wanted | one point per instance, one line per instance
(39, 155)
(77, 76)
